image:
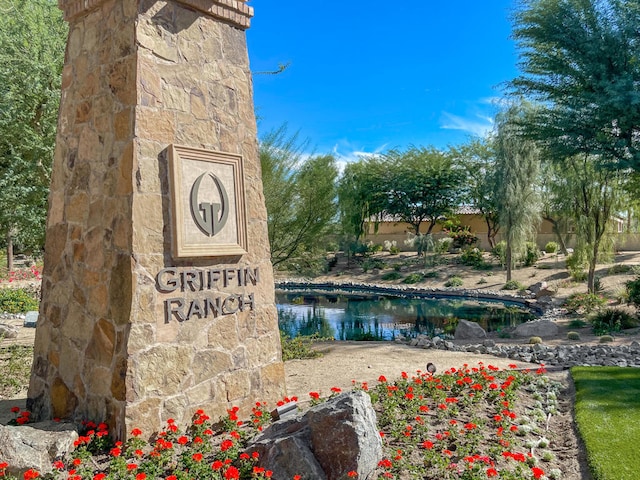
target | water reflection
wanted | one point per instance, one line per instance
(375, 317)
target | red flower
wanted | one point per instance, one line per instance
(352, 473)
(217, 465)
(132, 466)
(314, 395)
(15, 409)
(136, 432)
(492, 472)
(100, 476)
(31, 474)
(197, 457)
(115, 452)
(141, 476)
(57, 464)
(226, 445)
(537, 472)
(182, 440)
(232, 473)
(336, 389)
(382, 379)
(427, 444)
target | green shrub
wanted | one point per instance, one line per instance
(16, 300)
(633, 292)
(431, 274)
(573, 336)
(612, 320)
(500, 252)
(482, 281)
(472, 257)
(460, 234)
(576, 264)
(531, 254)
(391, 276)
(513, 285)
(454, 282)
(584, 302)
(443, 245)
(577, 323)
(413, 278)
(606, 339)
(298, 347)
(619, 268)
(372, 264)
(551, 247)
(535, 340)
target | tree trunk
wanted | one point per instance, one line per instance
(9, 252)
(593, 260)
(508, 260)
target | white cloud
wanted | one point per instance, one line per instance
(478, 125)
(344, 153)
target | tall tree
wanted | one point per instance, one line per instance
(478, 159)
(580, 60)
(592, 195)
(516, 195)
(300, 195)
(32, 40)
(422, 186)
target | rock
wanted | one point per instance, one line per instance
(536, 328)
(327, 442)
(7, 331)
(489, 343)
(537, 287)
(467, 330)
(30, 319)
(436, 341)
(36, 445)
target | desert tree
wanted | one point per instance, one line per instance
(32, 41)
(516, 192)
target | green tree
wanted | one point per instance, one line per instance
(300, 195)
(580, 61)
(422, 185)
(32, 41)
(592, 195)
(516, 194)
(361, 196)
(479, 161)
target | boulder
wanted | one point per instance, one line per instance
(537, 287)
(7, 331)
(328, 441)
(36, 445)
(467, 330)
(536, 328)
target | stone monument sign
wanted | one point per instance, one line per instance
(157, 295)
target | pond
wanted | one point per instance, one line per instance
(382, 317)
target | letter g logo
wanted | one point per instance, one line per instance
(210, 217)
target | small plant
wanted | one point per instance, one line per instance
(443, 245)
(606, 339)
(619, 268)
(577, 323)
(16, 300)
(431, 274)
(576, 265)
(372, 264)
(551, 247)
(298, 347)
(454, 282)
(612, 320)
(573, 336)
(535, 340)
(391, 276)
(460, 234)
(472, 257)
(584, 302)
(500, 252)
(633, 292)
(531, 254)
(482, 281)
(413, 278)
(513, 285)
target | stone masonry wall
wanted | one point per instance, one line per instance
(138, 77)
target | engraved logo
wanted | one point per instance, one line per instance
(210, 217)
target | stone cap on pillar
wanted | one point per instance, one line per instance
(235, 12)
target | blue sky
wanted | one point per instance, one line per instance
(365, 77)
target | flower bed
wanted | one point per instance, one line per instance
(468, 423)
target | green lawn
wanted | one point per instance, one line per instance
(608, 416)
